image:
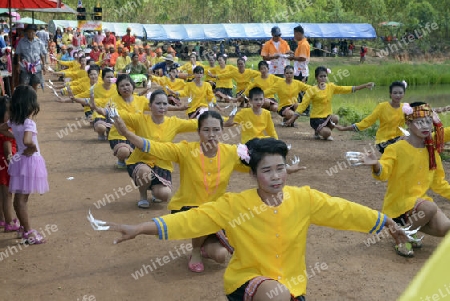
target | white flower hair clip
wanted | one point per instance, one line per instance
(242, 151)
(405, 83)
(245, 58)
(407, 109)
(328, 71)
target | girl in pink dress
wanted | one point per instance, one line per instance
(27, 170)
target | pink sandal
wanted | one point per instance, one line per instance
(33, 237)
(14, 227)
(196, 267)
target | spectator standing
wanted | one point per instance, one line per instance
(276, 50)
(301, 59)
(31, 57)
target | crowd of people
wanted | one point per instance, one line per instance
(140, 133)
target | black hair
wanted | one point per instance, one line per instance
(156, 93)
(288, 67)
(173, 67)
(416, 104)
(93, 68)
(135, 55)
(320, 69)
(397, 84)
(299, 29)
(106, 70)
(207, 114)
(241, 59)
(222, 56)
(23, 104)
(262, 63)
(198, 69)
(255, 91)
(259, 148)
(4, 100)
(123, 77)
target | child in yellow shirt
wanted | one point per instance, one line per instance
(390, 116)
(322, 120)
(411, 167)
(200, 94)
(267, 226)
(147, 171)
(255, 122)
(265, 81)
(172, 82)
(101, 94)
(83, 97)
(287, 91)
(124, 102)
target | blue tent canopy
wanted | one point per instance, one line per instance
(227, 31)
(256, 31)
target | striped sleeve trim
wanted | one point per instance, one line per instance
(382, 224)
(146, 147)
(162, 228)
(355, 127)
(158, 226)
(377, 223)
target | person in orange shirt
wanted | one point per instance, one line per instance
(276, 51)
(301, 60)
(113, 55)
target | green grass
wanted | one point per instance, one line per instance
(355, 107)
(383, 73)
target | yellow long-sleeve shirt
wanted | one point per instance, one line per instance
(189, 69)
(287, 93)
(163, 81)
(101, 97)
(223, 82)
(321, 99)
(121, 63)
(242, 79)
(406, 169)
(201, 96)
(207, 77)
(143, 126)
(80, 85)
(203, 179)
(137, 106)
(390, 120)
(265, 84)
(269, 241)
(75, 74)
(447, 134)
(255, 126)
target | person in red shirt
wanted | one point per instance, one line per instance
(95, 52)
(78, 39)
(110, 39)
(128, 39)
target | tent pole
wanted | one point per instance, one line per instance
(11, 82)
(32, 17)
